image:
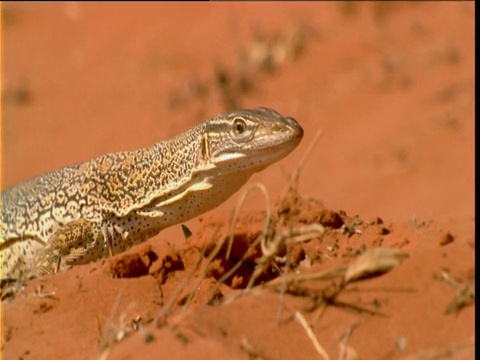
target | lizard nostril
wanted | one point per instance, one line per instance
(276, 128)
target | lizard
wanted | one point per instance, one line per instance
(92, 210)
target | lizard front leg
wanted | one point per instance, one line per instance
(78, 242)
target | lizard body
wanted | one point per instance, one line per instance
(92, 210)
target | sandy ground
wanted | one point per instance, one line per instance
(390, 86)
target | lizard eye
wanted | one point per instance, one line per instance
(239, 126)
(241, 130)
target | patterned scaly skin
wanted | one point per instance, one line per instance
(95, 209)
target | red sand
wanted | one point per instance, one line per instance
(391, 87)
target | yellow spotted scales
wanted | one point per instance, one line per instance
(95, 209)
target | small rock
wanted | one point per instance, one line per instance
(446, 239)
(383, 231)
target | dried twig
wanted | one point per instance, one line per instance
(160, 318)
(346, 350)
(240, 203)
(374, 262)
(308, 329)
(467, 348)
(108, 335)
(286, 237)
(464, 293)
(327, 274)
(296, 174)
(283, 289)
(292, 182)
(252, 246)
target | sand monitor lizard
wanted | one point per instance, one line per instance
(91, 210)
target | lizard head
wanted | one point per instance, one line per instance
(249, 140)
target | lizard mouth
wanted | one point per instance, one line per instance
(296, 128)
